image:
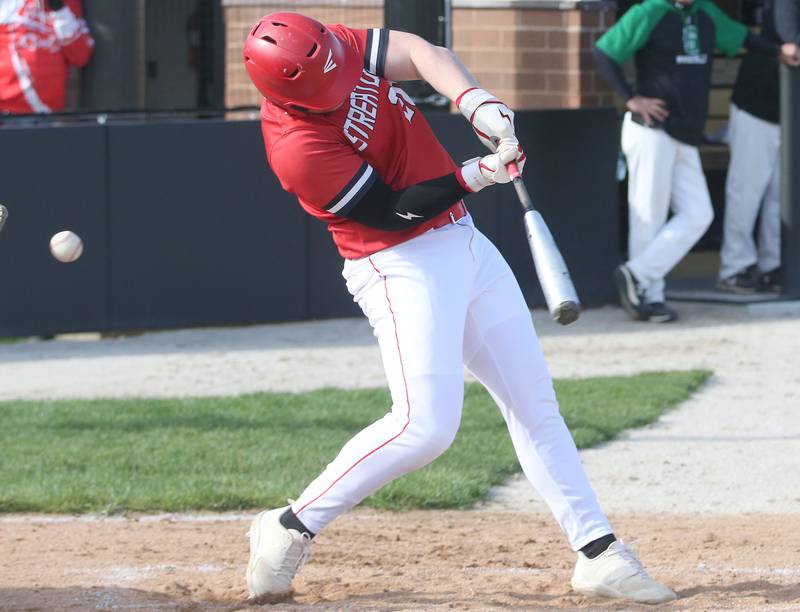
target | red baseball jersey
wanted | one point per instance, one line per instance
(36, 49)
(328, 161)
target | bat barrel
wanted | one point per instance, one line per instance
(559, 292)
(566, 312)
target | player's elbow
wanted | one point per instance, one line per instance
(79, 56)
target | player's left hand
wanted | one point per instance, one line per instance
(490, 119)
(510, 149)
(790, 54)
(492, 169)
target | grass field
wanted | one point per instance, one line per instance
(250, 451)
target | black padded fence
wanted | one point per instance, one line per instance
(185, 225)
(790, 181)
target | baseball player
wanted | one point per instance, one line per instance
(673, 44)
(359, 155)
(39, 40)
(753, 182)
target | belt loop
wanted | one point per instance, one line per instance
(452, 217)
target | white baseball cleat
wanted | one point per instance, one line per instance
(618, 573)
(276, 555)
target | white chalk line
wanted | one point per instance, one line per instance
(760, 571)
(117, 574)
(34, 519)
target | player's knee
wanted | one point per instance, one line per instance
(431, 439)
(544, 415)
(436, 403)
(441, 439)
(702, 219)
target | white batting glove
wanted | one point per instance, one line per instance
(491, 120)
(481, 172)
(65, 24)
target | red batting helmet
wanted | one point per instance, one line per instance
(294, 60)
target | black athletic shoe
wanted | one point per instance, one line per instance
(659, 312)
(631, 294)
(770, 282)
(743, 282)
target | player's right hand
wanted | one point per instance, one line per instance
(481, 172)
(652, 110)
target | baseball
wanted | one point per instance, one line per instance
(66, 246)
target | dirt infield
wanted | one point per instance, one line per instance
(383, 561)
(710, 493)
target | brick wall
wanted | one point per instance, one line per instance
(535, 58)
(529, 57)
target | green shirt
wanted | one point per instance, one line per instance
(673, 49)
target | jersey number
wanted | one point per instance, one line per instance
(398, 96)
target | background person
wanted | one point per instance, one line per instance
(361, 157)
(39, 41)
(752, 188)
(673, 45)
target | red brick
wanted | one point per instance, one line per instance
(496, 81)
(474, 37)
(496, 17)
(543, 19)
(463, 18)
(590, 19)
(493, 60)
(533, 100)
(557, 40)
(557, 82)
(544, 60)
(533, 81)
(528, 39)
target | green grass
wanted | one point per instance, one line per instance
(255, 450)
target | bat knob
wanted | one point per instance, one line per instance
(566, 313)
(513, 171)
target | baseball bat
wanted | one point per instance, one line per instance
(551, 269)
(3, 216)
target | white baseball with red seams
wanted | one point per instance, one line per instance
(66, 246)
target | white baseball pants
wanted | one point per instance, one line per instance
(437, 302)
(664, 175)
(753, 185)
